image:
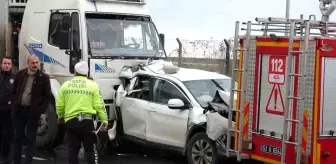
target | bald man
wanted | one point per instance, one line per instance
(30, 98)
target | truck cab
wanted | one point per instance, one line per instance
(108, 34)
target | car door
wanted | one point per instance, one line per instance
(165, 125)
(134, 107)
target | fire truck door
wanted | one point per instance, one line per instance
(326, 150)
(269, 100)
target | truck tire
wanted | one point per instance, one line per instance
(201, 147)
(49, 134)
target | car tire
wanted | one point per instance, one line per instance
(201, 147)
(48, 136)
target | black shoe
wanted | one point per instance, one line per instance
(92, 158)
(14, 162)
(7, 161)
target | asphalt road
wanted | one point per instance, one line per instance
(126, 155)
(41, 157)
(130, 154)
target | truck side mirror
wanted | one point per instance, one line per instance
(73, 60)
(162, 40)
(64, 39)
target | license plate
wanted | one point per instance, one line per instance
(270, 149)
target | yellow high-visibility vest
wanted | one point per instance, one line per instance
(80, 95)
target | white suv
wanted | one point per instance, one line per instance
(164, 106)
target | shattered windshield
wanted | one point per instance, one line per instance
(204, 91)
(127, 36)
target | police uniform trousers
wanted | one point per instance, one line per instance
(6, 135)
(78, 133)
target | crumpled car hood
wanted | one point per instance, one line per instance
(217, 115)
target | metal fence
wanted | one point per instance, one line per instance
(214, 65)
(209, 55)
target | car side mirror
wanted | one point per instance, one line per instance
(162, 40)
(176, 104)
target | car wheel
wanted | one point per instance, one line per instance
(201, 150)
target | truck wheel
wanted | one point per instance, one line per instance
(49, 133)
(201, 150)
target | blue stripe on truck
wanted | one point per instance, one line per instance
(42, 56)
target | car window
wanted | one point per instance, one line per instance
(142, 84)
(204, 91)
(163, 91)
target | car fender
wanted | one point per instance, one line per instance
(192, 130)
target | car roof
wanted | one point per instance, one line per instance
(188, 74)
(183, 74)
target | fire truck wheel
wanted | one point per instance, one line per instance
(48, 136)
(201, 150)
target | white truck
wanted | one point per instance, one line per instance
(109, 34)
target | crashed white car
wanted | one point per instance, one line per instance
(166, 107)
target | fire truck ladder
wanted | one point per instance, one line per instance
(302, 91)
(242, 91)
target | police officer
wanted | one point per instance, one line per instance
(78, 101)
(6, 85)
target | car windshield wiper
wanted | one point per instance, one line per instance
(218, 86)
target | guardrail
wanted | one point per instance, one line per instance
(17, 3)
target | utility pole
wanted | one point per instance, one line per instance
(287, 8)
(287, 16)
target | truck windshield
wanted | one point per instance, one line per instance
(204, 91)
(127, 36)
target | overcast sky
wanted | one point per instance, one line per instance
(202, 19)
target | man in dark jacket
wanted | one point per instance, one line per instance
(30, 98)
(6, 84)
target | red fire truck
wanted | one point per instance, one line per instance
(286, 103)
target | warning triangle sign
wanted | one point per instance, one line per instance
(275, 104)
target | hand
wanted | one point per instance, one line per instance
(60, 121)
(105, 126)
